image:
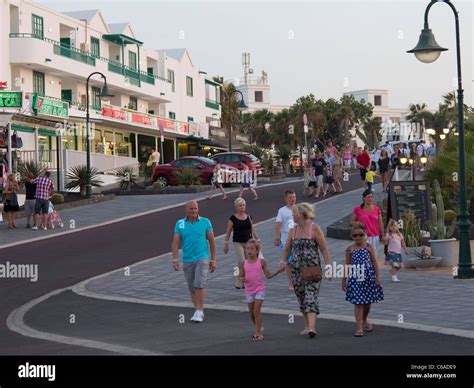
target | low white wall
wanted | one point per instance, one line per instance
(101, 162)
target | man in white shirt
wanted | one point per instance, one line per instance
(155, 157)
(284, 222)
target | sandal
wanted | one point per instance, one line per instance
(368, 328)
(257, 337)
(358, 334)
(312, 334)
(304, 332)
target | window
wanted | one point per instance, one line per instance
(190, 119)
(151, 112)
(189, 86)
(149, 70)
(378, 100)
(258, 96)
(95, 47)
(171, 79)
(133, 104)
(172, 115)
(95, 98)
(37, 26)
(132, 60)
(234, 158)
(38, 83)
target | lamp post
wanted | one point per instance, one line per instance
(427, 51)
(242, 105)
(103, 94)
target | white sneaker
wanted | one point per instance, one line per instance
(395, 279)
(34, 228)
(193, 318)
(199, 316)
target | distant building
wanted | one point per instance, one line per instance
(395, 125)
(255, 89)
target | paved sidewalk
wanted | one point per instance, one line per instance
(425, 298)
(90, 215)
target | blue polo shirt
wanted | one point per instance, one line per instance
(194, 238)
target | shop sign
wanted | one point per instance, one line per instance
(3, 84)
(144, 119)
(55, 108)
(11, 99)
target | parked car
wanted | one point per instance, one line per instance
(205, 166)
(235, 159)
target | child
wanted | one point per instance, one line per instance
(364, 287)
(216, 181)
(395, 242)
(253, 268)
(370, 176)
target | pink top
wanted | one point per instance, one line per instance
(347, 154)
(394, 242)
(331, 150)
(254, 277)
(370, 219)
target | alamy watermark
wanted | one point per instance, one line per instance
(19, 271)
(335, 270)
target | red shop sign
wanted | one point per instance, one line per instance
(114, 113)
(141, 119)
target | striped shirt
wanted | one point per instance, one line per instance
(44, 186)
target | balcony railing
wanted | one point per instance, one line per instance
(212, 104)
(134, 76)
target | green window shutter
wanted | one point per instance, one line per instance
(172, 115)
(95, 99)
(37, 26)
(95, 47)
(132, 60)
(38, 83)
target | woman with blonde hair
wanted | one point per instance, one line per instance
(306, 238)
(242, 229)
(11, 200)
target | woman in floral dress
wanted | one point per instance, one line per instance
(305, 239)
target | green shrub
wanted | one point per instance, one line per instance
(57, 198)
(158, 185)
(186, 176)
(77, 177)
(128, 176)
(24, 168)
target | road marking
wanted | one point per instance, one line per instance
(15, 321)
(125, 218)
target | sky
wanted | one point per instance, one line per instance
(321, 47)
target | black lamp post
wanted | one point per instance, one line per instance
(103, 94)
(242, 105)
(427, 51)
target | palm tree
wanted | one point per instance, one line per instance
(370, 133)
(451, 106)
(229, 106)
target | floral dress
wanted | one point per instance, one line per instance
(305, 254)
(361, 286)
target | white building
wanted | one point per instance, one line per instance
(256, 90)
(395, 126)
(48, 56)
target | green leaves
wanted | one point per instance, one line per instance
(77, 177)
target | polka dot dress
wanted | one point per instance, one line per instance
(361, 286)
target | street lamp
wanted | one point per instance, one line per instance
(411, 161)
(104, 94)
(427, 51)
(242, 106)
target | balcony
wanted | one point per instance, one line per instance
(32, 49)
(213, 104)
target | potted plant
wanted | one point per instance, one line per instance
(77, 177)
(411, 232)
(424, 260)
(442, 243)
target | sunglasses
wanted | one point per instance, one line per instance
(358, 234)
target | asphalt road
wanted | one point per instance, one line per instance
(66, 260)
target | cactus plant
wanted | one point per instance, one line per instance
(411, 230)
(437, 227)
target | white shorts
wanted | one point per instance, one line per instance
(250, 298)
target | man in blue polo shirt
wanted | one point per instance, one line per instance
(195, 232)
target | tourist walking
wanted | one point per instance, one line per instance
(248, 180)
(11, 200)
(217, 180)
(306, 238)
(284, 223)
(44, 190)
(319, 165)
(363, 164)
(364, 284)
(369, 216)
(347, 157)
(384, 166)
(242, 229)
(394, 242)
(337, 171)
(196, 236)
(30, 200)
(253, 270)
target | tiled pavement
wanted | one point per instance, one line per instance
(428, 298)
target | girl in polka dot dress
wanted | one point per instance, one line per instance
(364, 284)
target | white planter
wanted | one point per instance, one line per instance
(411, 255)
(425, 264)
(446, 250)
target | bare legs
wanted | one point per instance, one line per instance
(198, 297)
(361, 312)
(256, 317)
(309, 324)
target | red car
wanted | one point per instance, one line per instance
(235, 159)
(205, 166)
